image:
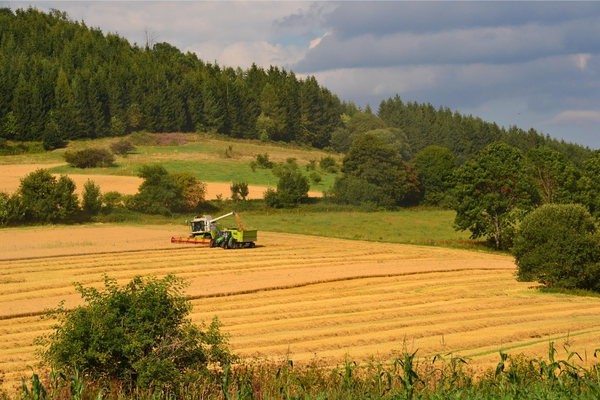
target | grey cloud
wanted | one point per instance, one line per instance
(547, 85)
(496, 45)
(382, 18)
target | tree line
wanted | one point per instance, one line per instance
(62, 80)
(62, 77)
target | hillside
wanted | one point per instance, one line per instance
(216, 161)
(61, 77)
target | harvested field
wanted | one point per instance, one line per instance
(298, 295)
(10, 178)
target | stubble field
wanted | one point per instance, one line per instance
(299, 296)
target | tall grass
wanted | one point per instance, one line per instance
(407, 377)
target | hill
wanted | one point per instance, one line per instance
(61, 77)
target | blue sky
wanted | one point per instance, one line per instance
(531, 64)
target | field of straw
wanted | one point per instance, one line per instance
(10, 179)
(298, 296)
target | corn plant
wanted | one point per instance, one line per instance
(285, 380)
(37, 391)
(409, 378)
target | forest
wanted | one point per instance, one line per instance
(61, 77)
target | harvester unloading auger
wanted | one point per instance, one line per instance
(205, 231)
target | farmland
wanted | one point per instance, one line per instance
(298, 296)
(202, 155)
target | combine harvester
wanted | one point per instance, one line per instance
(205, 231)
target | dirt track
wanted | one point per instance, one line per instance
(10, 176)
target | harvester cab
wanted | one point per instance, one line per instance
(206, 226)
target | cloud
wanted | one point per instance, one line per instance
(584, 118)
(358, 18)
(494, 45)
(244, 54)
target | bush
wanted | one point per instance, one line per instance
(91, 198)
(159, 193)
(292, 189)
(192, 190)
(311, 166)
(326, 163)
(122, 147)
(45, 199)
(111, 200)
(239, 191)
(270, 197)
(11, 208)
(90, 158)
(559, 245)
(263, 161)
(357, 192)
(139, 334)
(316, 177)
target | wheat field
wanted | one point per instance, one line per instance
(298, 296)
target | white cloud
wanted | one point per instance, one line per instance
(585, 118)
(581, 60)
(243, 54)
(314, 43)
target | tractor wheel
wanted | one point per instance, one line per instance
(252, 245)
(232, 243)
(213, 243)
(240, 245)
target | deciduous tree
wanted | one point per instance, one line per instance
(492, 193)
(559, 245)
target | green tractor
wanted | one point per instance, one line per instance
(232, 238)
(206, 231)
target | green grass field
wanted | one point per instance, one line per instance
(204, 157)
(422, 227)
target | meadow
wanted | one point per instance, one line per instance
(210, 158)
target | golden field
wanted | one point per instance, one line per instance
(298, 296)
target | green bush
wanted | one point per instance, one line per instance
(11, 208)
(559, 246)
(239, 191)
(111, 200)
(292, 189)
(122, 147)
(357, 192)
(316, 177)
(159, 193)
(139, 334)
(91, 198)
(270, 197)
(46, 199)
(89, 158)
(263, 161)
(326, 163)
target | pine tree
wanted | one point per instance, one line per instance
(64, 108)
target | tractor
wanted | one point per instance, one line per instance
(206, 231)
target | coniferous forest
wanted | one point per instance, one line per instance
(61, 77)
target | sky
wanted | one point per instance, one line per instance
(533, 64)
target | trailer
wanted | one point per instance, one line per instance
(232, 238)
